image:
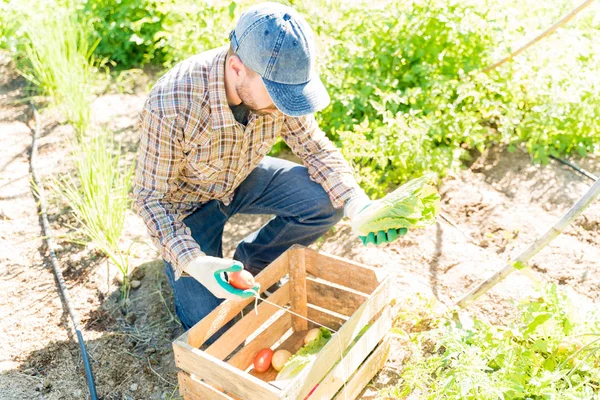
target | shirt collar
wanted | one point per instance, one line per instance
(220, 113)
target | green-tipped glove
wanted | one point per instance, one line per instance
(209, 271)
(354, 209)
(415, 204)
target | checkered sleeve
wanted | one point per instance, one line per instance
(159, 157)
(324, 161)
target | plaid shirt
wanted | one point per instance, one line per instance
(192, 150)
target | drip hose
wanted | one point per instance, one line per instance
(38, 191)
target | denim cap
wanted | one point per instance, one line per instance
(276, 42)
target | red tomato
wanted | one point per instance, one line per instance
(241, 280)
(262, 360)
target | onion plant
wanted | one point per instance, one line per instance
(59, 58)
(98, 197)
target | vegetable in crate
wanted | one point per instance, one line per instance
(311, 335)
(304, 356)
(262, 360)
(413, 205)
(241, 280)
(279, 359)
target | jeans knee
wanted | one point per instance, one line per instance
(326, 214)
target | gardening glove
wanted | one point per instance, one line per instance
(356, 209)
(210, 271)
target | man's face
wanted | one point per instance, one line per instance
(254, 95)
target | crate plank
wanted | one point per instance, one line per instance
(372, 365)
(309, 377)
(219, 373)
(297, 271)
(342, 371)
(345, 272)
(193, 388)
(323, 316)
(243, 358)
(331, 297)
(238, 333)
(203, 330)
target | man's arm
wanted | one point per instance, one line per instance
(324, 161)
(159, 157)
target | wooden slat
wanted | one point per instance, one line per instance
(330, 319)
(326, 295)
(218, 373)
(344, 272)
(204, 329)
(310, 376)
(341, 373)
(372, 365)
(190, 387)
(238, 333)
(243, 358)
(297, 271)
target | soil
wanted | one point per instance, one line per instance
(498, 204)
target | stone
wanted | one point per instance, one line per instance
(130, 318)
(133, 387)
(135, 284)
(138, 274)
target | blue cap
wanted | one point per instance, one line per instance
(276, 42)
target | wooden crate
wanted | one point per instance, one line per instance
(340, 294)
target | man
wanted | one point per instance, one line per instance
(207, 126)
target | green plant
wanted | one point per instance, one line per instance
(58, 58)
(550, 350)
(407, 96)
(191, 27)
(8, 25)
(128, 30)
(98, 197)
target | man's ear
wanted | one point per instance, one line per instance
(237, 67)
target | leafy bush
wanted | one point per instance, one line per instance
(396, 72)
(550, 350)
(129, 30)
(191, 27)
(8, 25)
(137, 32)
(407, 96)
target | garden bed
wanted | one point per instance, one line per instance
(500, 202)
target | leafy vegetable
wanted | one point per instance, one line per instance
(413, 205)
(304, 356)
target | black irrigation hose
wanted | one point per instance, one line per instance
(576, 168)
(39, 193)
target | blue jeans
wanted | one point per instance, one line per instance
(303, 212)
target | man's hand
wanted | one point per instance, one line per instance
(359, 205)
(209, 272)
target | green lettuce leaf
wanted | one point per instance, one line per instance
(413, 205)
(296, 363)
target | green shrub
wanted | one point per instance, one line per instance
(191, 27)
(8, 26)
(129, 30)
(407, 96)
(549, 351)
